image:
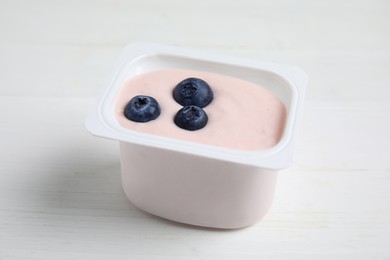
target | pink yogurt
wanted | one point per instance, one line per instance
(242, 116)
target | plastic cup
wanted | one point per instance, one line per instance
(194, 183)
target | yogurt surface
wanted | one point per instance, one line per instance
(242, 116)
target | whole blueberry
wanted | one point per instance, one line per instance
(142, 109)
(191, 118)
(193, 91)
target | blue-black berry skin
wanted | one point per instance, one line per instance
(193, 91)
(191, 118)
(142, 109)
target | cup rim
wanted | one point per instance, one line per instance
(101, 120)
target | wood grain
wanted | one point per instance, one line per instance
(60, 188)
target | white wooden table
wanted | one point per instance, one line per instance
(60, 190)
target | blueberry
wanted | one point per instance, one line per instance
(142, 109)
(193, 91)
(191, 118)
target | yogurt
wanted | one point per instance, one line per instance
(220, 176)
(242, 116)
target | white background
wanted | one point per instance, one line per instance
(60, 190)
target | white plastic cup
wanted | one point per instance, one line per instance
(194, 183)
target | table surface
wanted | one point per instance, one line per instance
(60, 188)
